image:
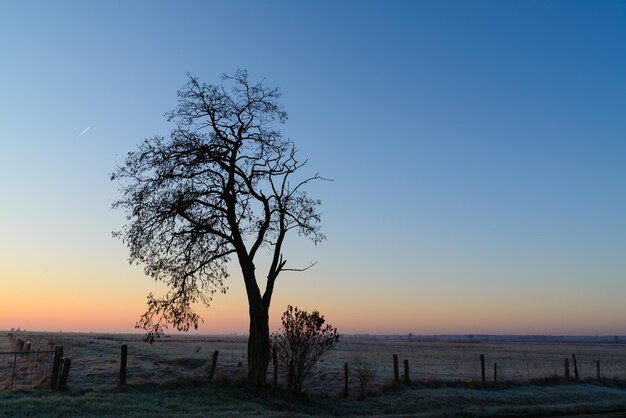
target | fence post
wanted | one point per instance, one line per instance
(575, 364)
(123, 364)
(213, 364)
(275, 360)
(406, 371)
(64, 375)
(13, 373)
(598, 369)
(345, 380)
(56, 366)
(495, 372)
(396, 373)
(566, 364)
(482, 368)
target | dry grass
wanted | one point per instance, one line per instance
(95, 359)
(169, 379)
(194, 398)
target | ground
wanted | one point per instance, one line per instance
(169, 379)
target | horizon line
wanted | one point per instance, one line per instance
(407, 335)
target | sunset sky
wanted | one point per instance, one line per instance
(478, 152)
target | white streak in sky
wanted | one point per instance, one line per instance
(85, 131)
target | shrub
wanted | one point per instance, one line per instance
(301, 342)
(365, 373)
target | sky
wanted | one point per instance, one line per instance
(477, 151)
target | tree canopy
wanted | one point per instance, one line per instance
(222, 185)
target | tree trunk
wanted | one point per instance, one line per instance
(259, 337)
(258, 345)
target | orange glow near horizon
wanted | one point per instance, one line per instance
(44, 295)
(99, 306)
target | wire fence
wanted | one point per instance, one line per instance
(460, 361)
(22, 366)
(96, 361)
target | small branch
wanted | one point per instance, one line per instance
(302, 269)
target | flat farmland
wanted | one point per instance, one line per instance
(96, 359)
(169, 378)
(454, 360)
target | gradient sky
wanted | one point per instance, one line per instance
(478, 151)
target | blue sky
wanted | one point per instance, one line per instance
(477, 149)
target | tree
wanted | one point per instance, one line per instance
(365, 374)
(301, 342)
(222, 185)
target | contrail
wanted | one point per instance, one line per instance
(88, 128)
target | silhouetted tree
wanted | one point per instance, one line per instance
(365, 373)
(220, 186)
(301, 342)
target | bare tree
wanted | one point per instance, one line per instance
(365, 374)
(222, 185)
(301, 342)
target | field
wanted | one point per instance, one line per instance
(169, 378)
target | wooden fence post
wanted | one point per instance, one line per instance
(482, 368)
(123, 364)
(396, 373)
(575, 364)
(495, 372)
(213, 364)
(13, 373)
(275, 360)
(56, 367)
(345, 380)
(65, 373)
(598, 369)
(406, 371)
(566, 364)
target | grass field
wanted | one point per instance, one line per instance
(169, 379)
(190, 398)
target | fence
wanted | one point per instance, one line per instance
(460, 361)
(23, 367)
(106, 361)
